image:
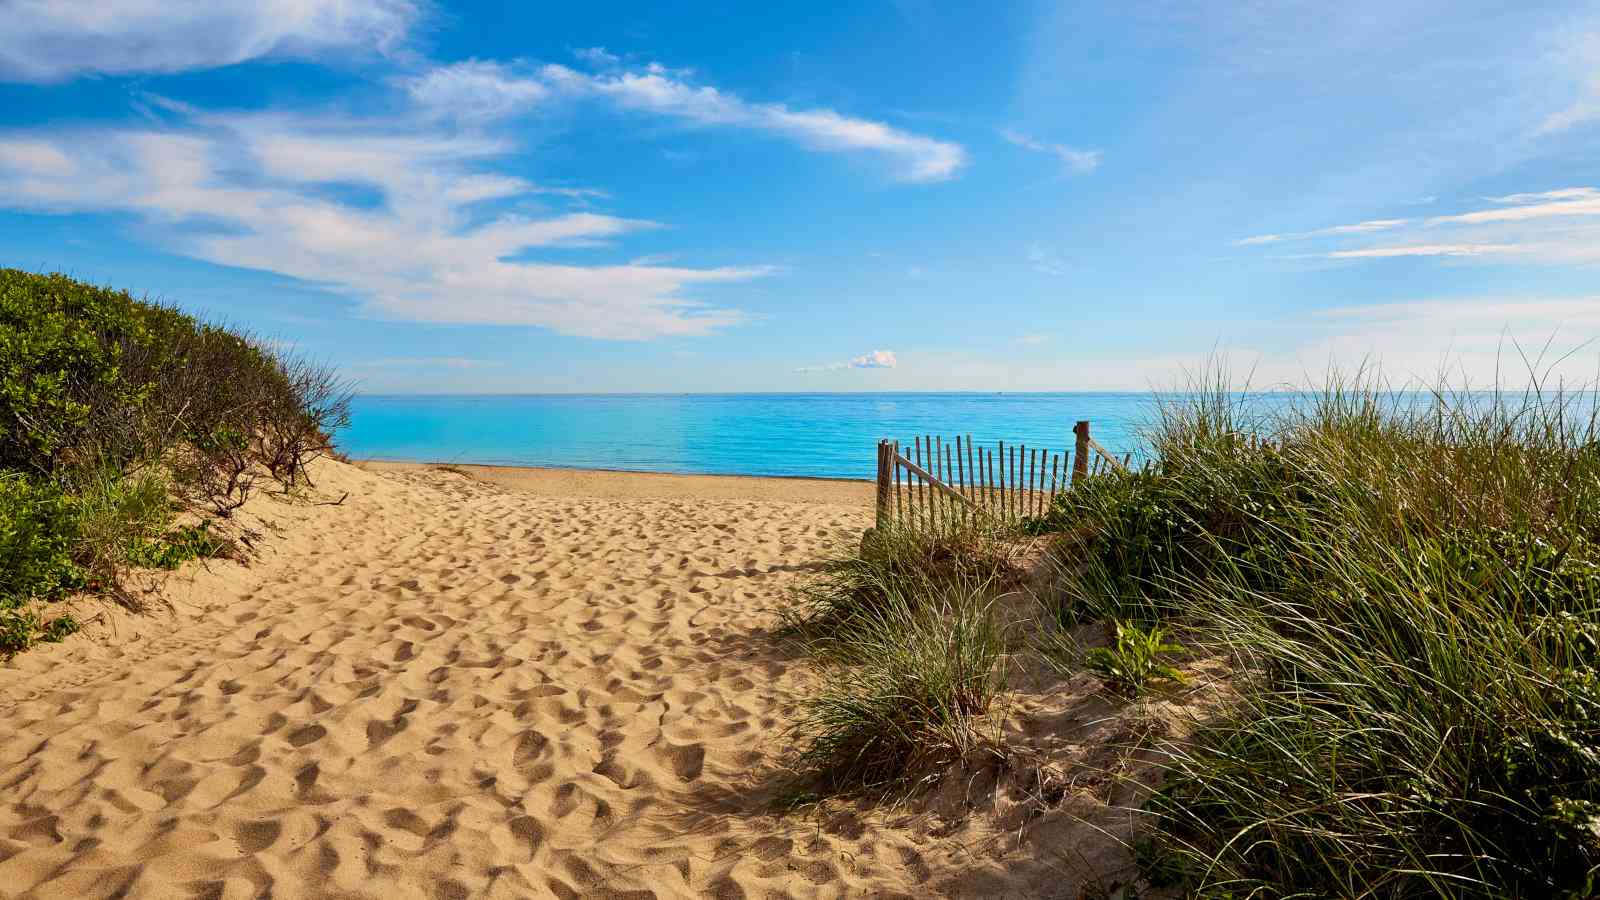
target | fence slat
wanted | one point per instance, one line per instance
(900, 510)
(1055, 464)
(984, 481)
(959, 513)
(917, 442)
(991, 473)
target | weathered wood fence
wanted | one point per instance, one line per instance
(932, 482)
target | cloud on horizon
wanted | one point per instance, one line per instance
(876, 359)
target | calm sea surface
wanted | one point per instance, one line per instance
(828, 435)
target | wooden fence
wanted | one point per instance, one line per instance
(931, 482)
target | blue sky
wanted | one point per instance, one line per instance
(897, 196)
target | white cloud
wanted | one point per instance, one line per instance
(1578, 193)
(1033, 339)
(597, 56)
(475, 89)
(1548, 205)
(1554, 227)
(250, 191)
(54, 40)
(1423, 250)
(1358, 228)
(495, 90)
(877, 359)
(1072, 160)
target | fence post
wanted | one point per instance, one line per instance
(1080, 451)
(884, 469)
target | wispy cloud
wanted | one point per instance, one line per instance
(1584, 201)
(1358, 228)
(475, 90)
(53, 40)
(597, 56)
(1555, 227)
(429, 362)
(496, 89)
(876, 359)
(250, 190)
(1072, 160)
(1044, 261)
(1423, 250)
(1034, 339)
(1582, 58)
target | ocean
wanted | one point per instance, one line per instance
(817, 435)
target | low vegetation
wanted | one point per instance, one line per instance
(118, 418)
(915, 658)
(1406, 587)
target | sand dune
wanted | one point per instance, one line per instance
(447, 688)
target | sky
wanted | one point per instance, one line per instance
(516, 197)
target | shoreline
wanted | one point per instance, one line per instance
(553, 481)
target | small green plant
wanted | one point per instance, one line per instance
(177, 547)
(21, 629)
(1134, 659)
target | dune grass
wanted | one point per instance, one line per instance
(913, 655)
(1411, 585)
(1407, 585)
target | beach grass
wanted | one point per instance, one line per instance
(1406, 585)
(913, 654)
(1411, 587)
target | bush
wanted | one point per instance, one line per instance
(38, 531)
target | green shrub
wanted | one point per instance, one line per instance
(38, 532)
(94, 378)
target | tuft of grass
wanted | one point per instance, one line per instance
(118, 514)
(911, 682)
(894, 566)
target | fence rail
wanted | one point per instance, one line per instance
(932, 482)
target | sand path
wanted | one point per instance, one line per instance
(443, 688)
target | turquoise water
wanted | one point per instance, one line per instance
(825, 435)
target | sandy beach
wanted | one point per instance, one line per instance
(542, 684)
